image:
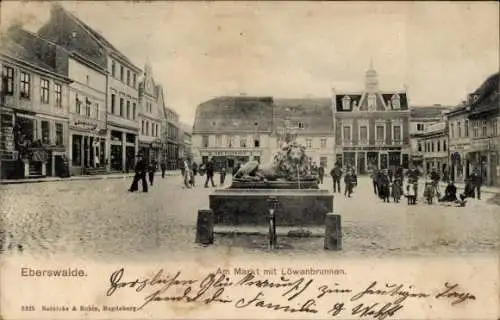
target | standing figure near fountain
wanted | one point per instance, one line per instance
(349, 180)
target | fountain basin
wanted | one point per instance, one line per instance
(247, 207)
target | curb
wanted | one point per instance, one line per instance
(74, 178)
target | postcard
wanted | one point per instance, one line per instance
(249, 160)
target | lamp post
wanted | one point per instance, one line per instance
(273, 204)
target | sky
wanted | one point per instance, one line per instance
(439, 51)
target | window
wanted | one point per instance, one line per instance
(494, 127)
(420, 127)
(396, 131)
(25, 85)
(59, 134)
(346, 103)
(153, 129)
(432, 146)
(308, 143)
(8, 80)
(113, 69)
(452, 130)
(444, 145)
(256, 141)
(76, 150)
(87, 107)
(466, 128)
(128, 109)
(147, 128)
(396, 101)
(113, 103)
(438, 145)
(78, 105)
(128, 77)
(97, 111)
(419, 147)
(121, 73)
(218, 140)
(135, 80)
(205, 141)
(142, 127)
(243, 142)
(133, 110)
(371, 101)
(45, 132)
(231, 141)
(379, 132)
(301, 125)
(44, 91)
(475, 129)
(484, 128)
(363, 134)
(121, 107)
(323, 143)
(88, 79)
(346, 134)
(58, 94)
(459, 129)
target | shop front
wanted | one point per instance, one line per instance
(483, 157)
(87, 145)
(364, 159)
(123, 148)
(230, 158)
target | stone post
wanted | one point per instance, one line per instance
(26, 168)
(205, 227)
(333, 232)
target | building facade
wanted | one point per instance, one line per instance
(185, 146)
(122, 125)
(171, 139)
(311, 120)
(422, 117)
(151, 118)
(434, 144)
(231, 130)
(34, 106)
(459, 142)
(371, 127)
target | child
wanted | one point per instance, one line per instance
(410, 194)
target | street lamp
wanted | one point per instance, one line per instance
(273, 204)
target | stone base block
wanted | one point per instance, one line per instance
(302, 207)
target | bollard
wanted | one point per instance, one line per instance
(273, 204)
(333, 232)
(205, 227)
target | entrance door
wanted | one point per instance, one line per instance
(361, 162)
(383, 161)
(230, 163)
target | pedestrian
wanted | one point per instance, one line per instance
(222, 175)
(476, 181)
(96, 161)
(321, 173)
(384, 186)
(374, 177)
(151, 171)
(349, 183)
(194, 171)
(163, 167)
(140, 174)
(336, 174)
(186, 174)
(210, 173)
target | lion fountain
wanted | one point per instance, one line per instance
(289, 169)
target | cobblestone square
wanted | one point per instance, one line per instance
(99, 219)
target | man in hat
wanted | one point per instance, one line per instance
(140, 174)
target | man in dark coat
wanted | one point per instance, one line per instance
(336, 174)
(210, 173)
(151, 171)
(163, 166)
(476, 181)
(140, 174)
(321, 173)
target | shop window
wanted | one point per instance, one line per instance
(76, 150)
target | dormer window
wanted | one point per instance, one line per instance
(371, 101)
(396, 101)
(346, 103)
(355, 105)
(301, 125)
(388, 103)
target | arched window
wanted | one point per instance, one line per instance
(396, 101)
(346, 103)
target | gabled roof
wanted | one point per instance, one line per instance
(361, 99)
(98, 37)
(426, 112)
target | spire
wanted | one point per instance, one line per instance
(148, 69)
(371, 78)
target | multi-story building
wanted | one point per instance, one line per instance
(151, 115)
(483, 117)
(311, 121)
(434, 143)
(371, 127)
(459, 141)
(171, 138)
(185, 146)
(34, 106)
(233, 129)
(122, 123)
(420, 118)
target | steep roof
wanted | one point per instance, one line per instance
(361, 99)
(314, 114)
(234, 114)
(424, 112)
(488, 97)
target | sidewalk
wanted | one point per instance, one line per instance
(83, 177)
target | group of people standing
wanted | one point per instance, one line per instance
(190, 170)
(145, 168)
(350, 179)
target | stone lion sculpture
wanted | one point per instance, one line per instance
(290, 163)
